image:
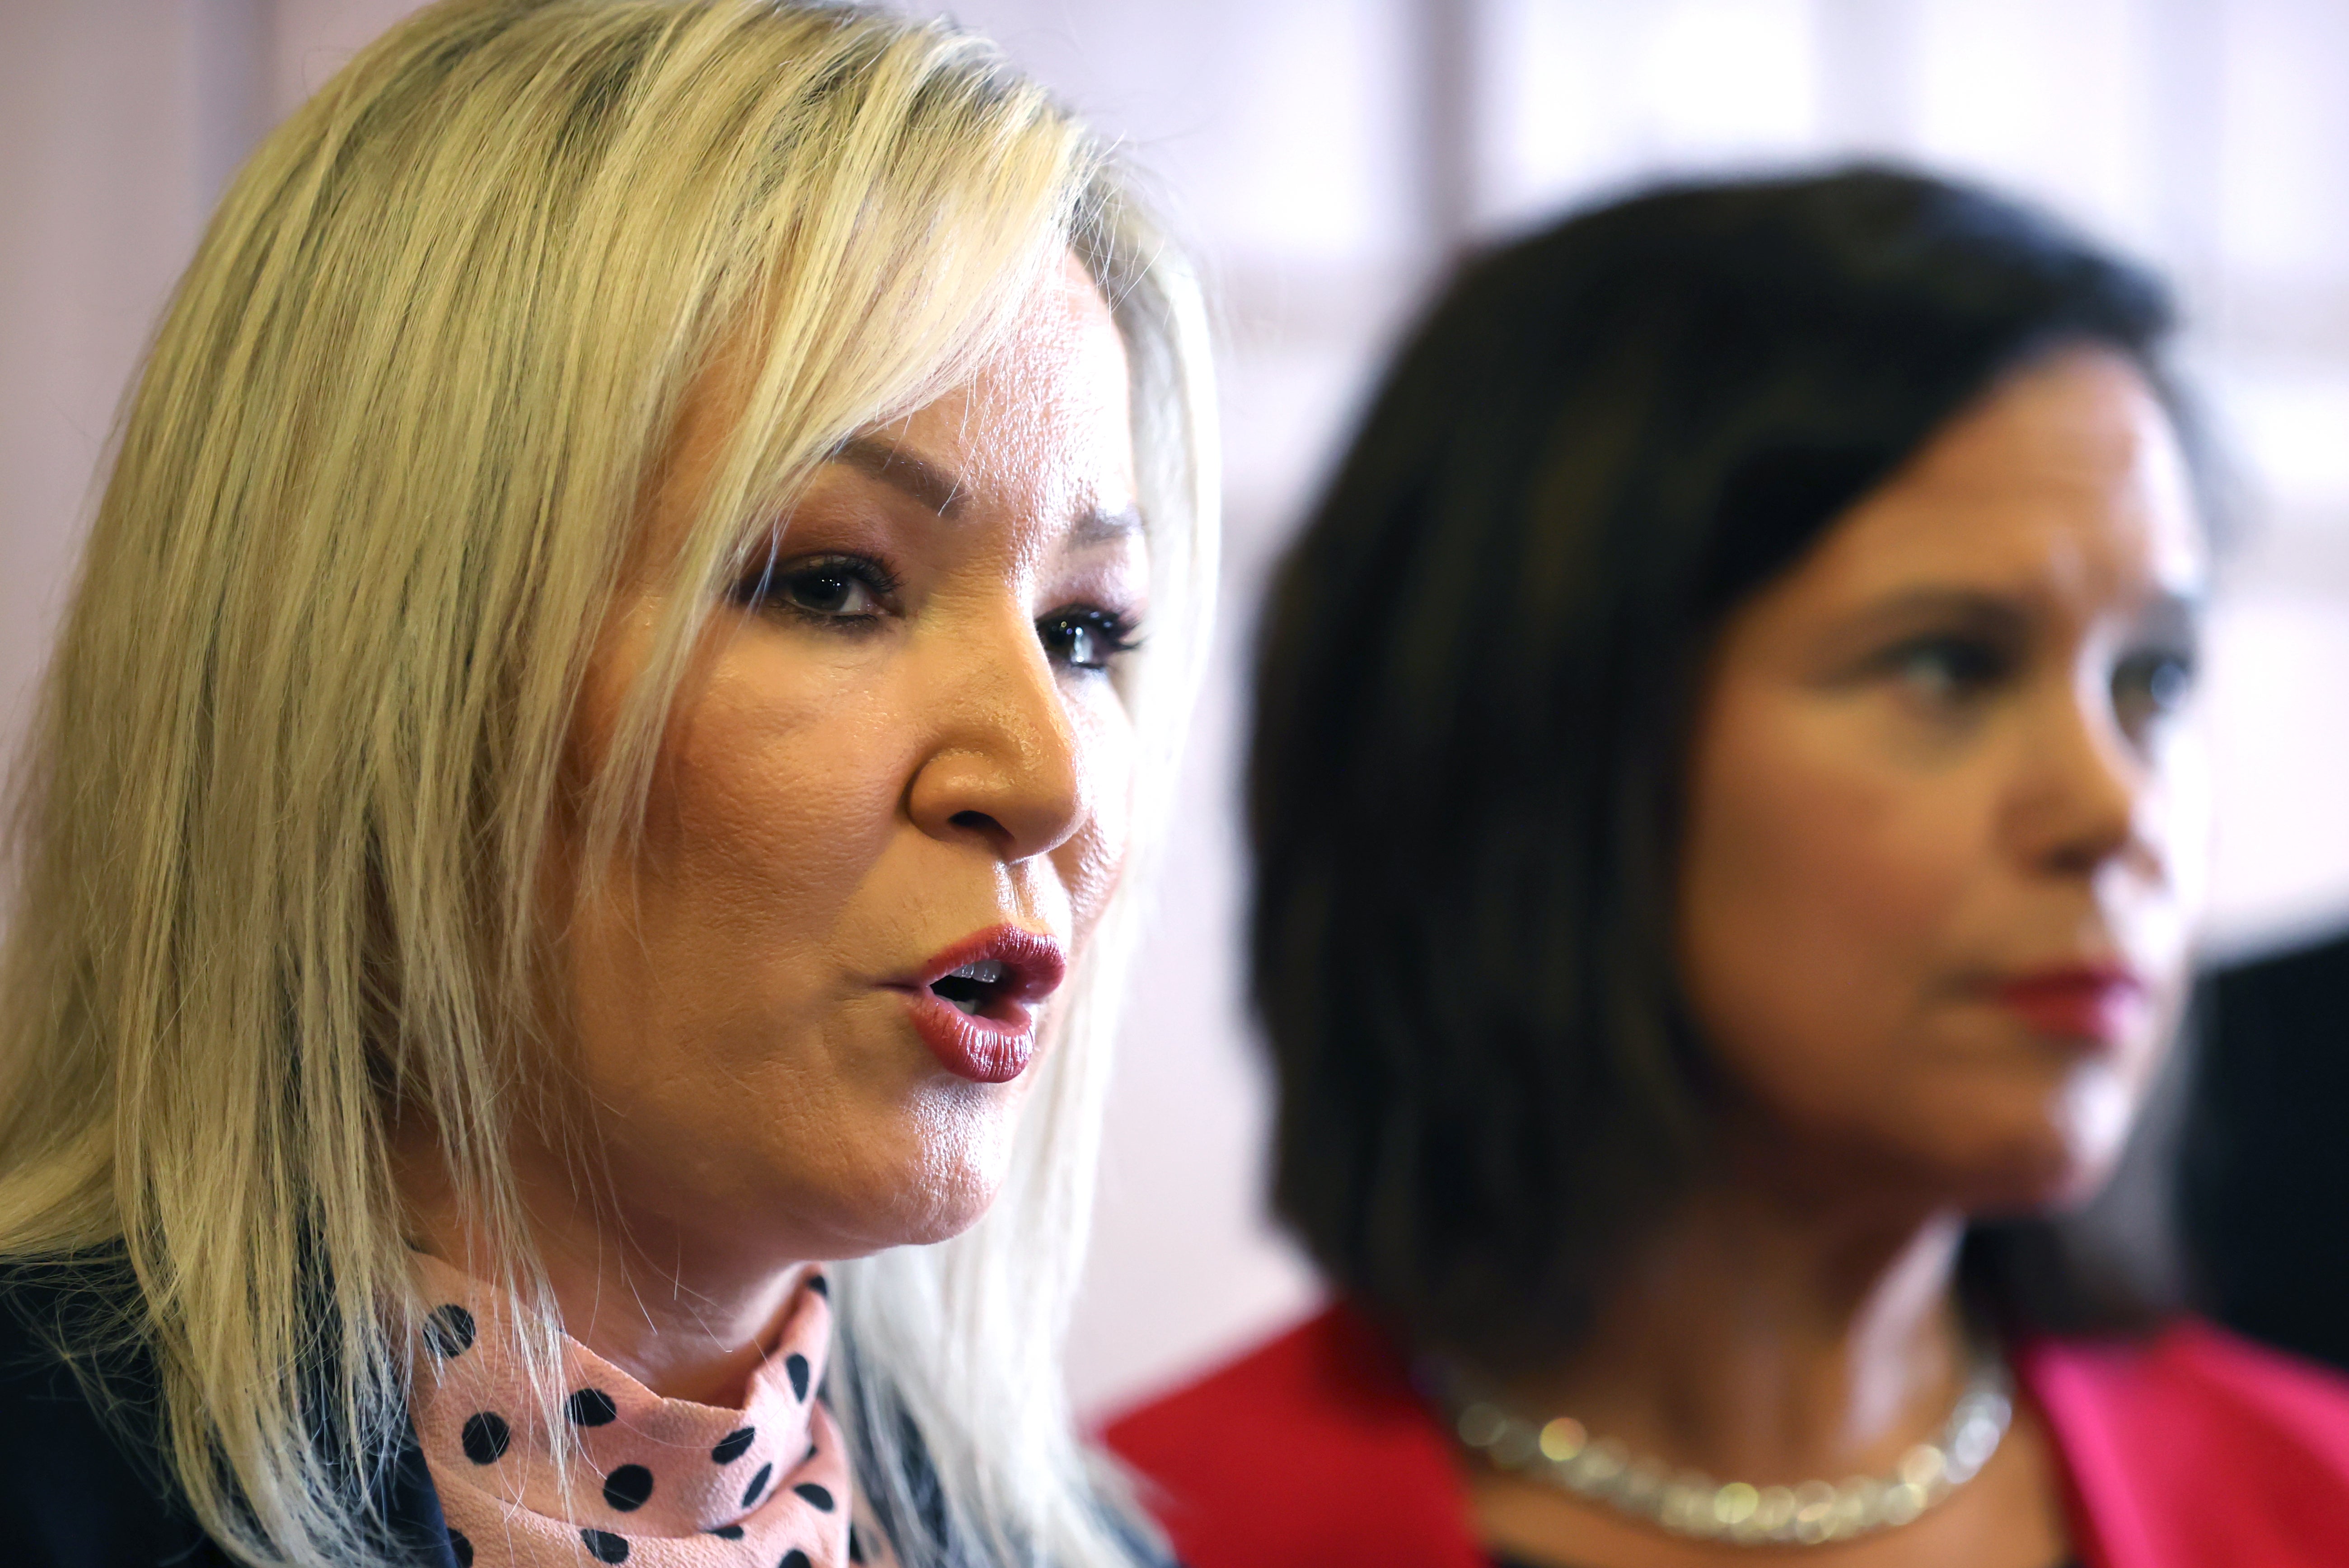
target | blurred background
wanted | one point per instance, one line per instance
(1326, 159)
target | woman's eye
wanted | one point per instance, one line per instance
(829, 592)
(1085, 639)
(2151, 685)
(824, 588)
(1949, 670)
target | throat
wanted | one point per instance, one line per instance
(1767, 1357)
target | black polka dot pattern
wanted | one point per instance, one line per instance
(591, 1407)
(448, 1331)
(628, 1488)
(604, 1546)
(492, 1450)
(486, 1437)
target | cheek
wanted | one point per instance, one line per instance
(1092, 862)
(744, 858)
(1815, 888)
(707, 960)
(744, 1070)
(2179, 822)
(773, 796)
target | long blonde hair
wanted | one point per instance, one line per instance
(298, 758)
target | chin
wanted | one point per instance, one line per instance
(937, 1207)
(2026, 1144)
(2030, 1191)
(937, 1180)
(911, 1207)
(2040, 1170)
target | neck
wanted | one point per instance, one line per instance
(1761, 1338)
(685, 1322)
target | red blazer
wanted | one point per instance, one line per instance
(2189, 1449)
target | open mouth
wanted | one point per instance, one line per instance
(978, 988)
(975, 1005)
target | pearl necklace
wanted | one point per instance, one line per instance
(1689, 1504)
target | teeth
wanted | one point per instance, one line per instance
(971, 986)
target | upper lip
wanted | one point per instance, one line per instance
(2060, 977)
(1027, 966)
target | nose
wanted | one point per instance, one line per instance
(2086, 788)
(1003, 767)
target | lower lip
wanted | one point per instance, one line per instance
(982, 1049)
(2101, 1011)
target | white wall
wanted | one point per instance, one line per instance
(99, 200)
(1324, 155)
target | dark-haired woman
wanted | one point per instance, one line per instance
(1728, 815)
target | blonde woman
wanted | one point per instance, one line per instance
(585, 816)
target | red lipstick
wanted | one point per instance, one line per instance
(973, 1003)
(2100, 1003)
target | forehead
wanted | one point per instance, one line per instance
(1045, 422)
(2065, 479)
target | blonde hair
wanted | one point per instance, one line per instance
(294, 774)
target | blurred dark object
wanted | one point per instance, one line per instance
(2267, 1177)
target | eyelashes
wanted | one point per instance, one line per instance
(2153, 685)
(1087, 637)
(1947, 669)
(840, 590)
(851, 594)
(1953, 674)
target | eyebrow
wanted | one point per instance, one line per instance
(1097, 525)
(2164, 613)
(901, 470)
(1983, 609)
(942, 492)
(2174, 613)
(1987, 603)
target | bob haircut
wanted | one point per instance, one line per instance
(298, 755)
(1477, 680)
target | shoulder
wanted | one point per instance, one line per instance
(78, 1486)
(83, 1483)
(2227, 1387)
(1312, 1448)
(2194, 1442)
